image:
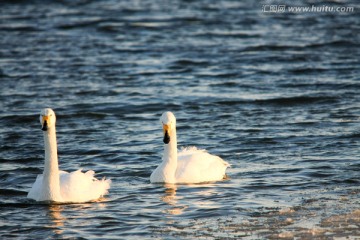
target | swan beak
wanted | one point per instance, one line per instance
(166, 130)
(45, 120)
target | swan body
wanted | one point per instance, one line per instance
(60, 186)
(190, 165)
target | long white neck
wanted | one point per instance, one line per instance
(51, 180)
(170, 158)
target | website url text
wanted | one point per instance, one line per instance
(301, 9)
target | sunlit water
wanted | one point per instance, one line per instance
(275, 95)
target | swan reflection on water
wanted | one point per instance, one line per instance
(57, 219)
(172, 200)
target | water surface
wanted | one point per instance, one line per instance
(275, 95)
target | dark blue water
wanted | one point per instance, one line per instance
(274, 94)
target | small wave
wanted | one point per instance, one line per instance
(111, 26)
(271, 47)
(298, 100)
(219, 75)
(261, 48)
(309, 70)
(11, 192)
(319, 175)
(80, 23)
(285, 101)
(225, 84)
(19, 27)
(231, 35)
(351, 136)
(190, 62)
(151, 25)
(232, 102)
(336, 43)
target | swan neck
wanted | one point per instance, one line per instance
(51, 181)
(51, 158)
(170, 149)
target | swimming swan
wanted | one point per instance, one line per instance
(190, 165)
(60, 186)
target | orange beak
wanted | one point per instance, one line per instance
(166, 130)
(45, 120)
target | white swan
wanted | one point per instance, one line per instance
(61, 186)
(190, 165)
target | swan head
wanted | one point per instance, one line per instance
(47, 119)
(168, 122)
